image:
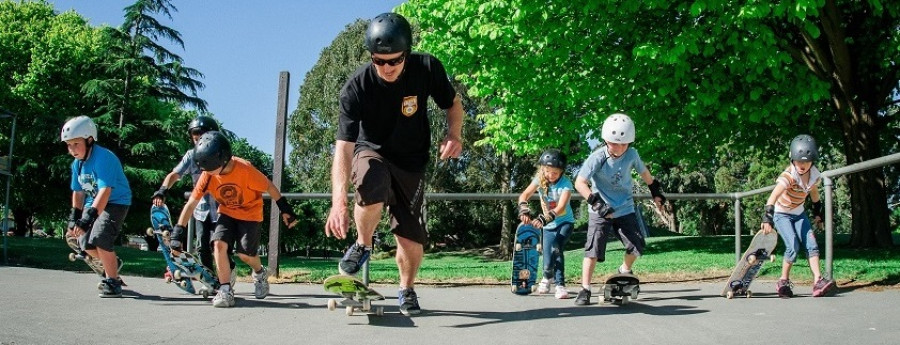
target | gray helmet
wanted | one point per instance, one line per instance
(213, 151)
(202, 124)
(804, 149)
(388, 33)
(553, 158)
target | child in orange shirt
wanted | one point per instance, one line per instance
(237, 186)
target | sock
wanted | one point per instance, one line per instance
(225, 287)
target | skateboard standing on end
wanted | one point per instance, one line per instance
(619, 288)
(93, 263)
(527, 249)
(162, 226)
(761, 248)
(357, 296)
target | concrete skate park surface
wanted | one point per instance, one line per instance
(58, 307)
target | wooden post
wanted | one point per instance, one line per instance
(284, 79)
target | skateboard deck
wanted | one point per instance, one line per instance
(81, 254)
(761, 248)
(92, 262)
(357, 296)
(620, 288)
(161, 223)
(527, 248)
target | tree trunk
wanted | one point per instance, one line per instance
(868, 199)
(506, 232)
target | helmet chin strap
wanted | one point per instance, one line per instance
(89, 148)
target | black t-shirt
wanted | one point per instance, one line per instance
(392, 118)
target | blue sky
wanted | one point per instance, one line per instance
(242, 46)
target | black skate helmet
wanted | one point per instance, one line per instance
(213, 151)
(804, 149)
(553, 158)
(388, 33)
(202, 124)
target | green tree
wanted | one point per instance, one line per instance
(142, 67)
(44, 59)
(690, 73)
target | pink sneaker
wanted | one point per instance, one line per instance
(783, 287)
(822, 287)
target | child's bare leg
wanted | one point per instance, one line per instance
(814, 267)
(109, 260)
(629, 261)
(220, 254)
(786, 270)
(252, 261)
(587, 270)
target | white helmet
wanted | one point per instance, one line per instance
(618, 128)
(79, 127)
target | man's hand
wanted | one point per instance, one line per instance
(451, 147)
(338, 221)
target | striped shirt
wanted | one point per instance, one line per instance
(795, 191)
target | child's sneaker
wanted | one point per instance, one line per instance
(354, 259)
(409, 302)
(622, 270)
(783, 288)
(110, 287)
(224, 299)
(822, 287)
(544, 286)
(584, 297)
(561, 292)
(261, 283)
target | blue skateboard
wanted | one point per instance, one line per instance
(182, 267)
(525, 259)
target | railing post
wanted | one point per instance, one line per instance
(737, 229)
(829, 228)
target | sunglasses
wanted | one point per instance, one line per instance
(391, 62)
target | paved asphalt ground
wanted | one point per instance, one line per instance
(58, 307)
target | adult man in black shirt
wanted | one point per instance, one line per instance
(384, 136)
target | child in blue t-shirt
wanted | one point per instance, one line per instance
(554, 189)
(605, 182)
(101, 197)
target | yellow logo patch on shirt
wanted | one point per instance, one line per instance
(410, 105)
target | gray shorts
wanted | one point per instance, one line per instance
(377, 180)
(625, 228)
(106, 228)
(242, 234)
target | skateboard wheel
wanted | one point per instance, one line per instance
(349, 310)
(538, 247)
(749, 293)
(165, 234)
(772, 258)
(729, 294)
(332, 304)
(182, 283)
(178, 275)
(533, 288)
(518, 247)
(149, 231)
(72, 257)
(204, 293)
(751, 259)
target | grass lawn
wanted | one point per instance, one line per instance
(668, 259)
